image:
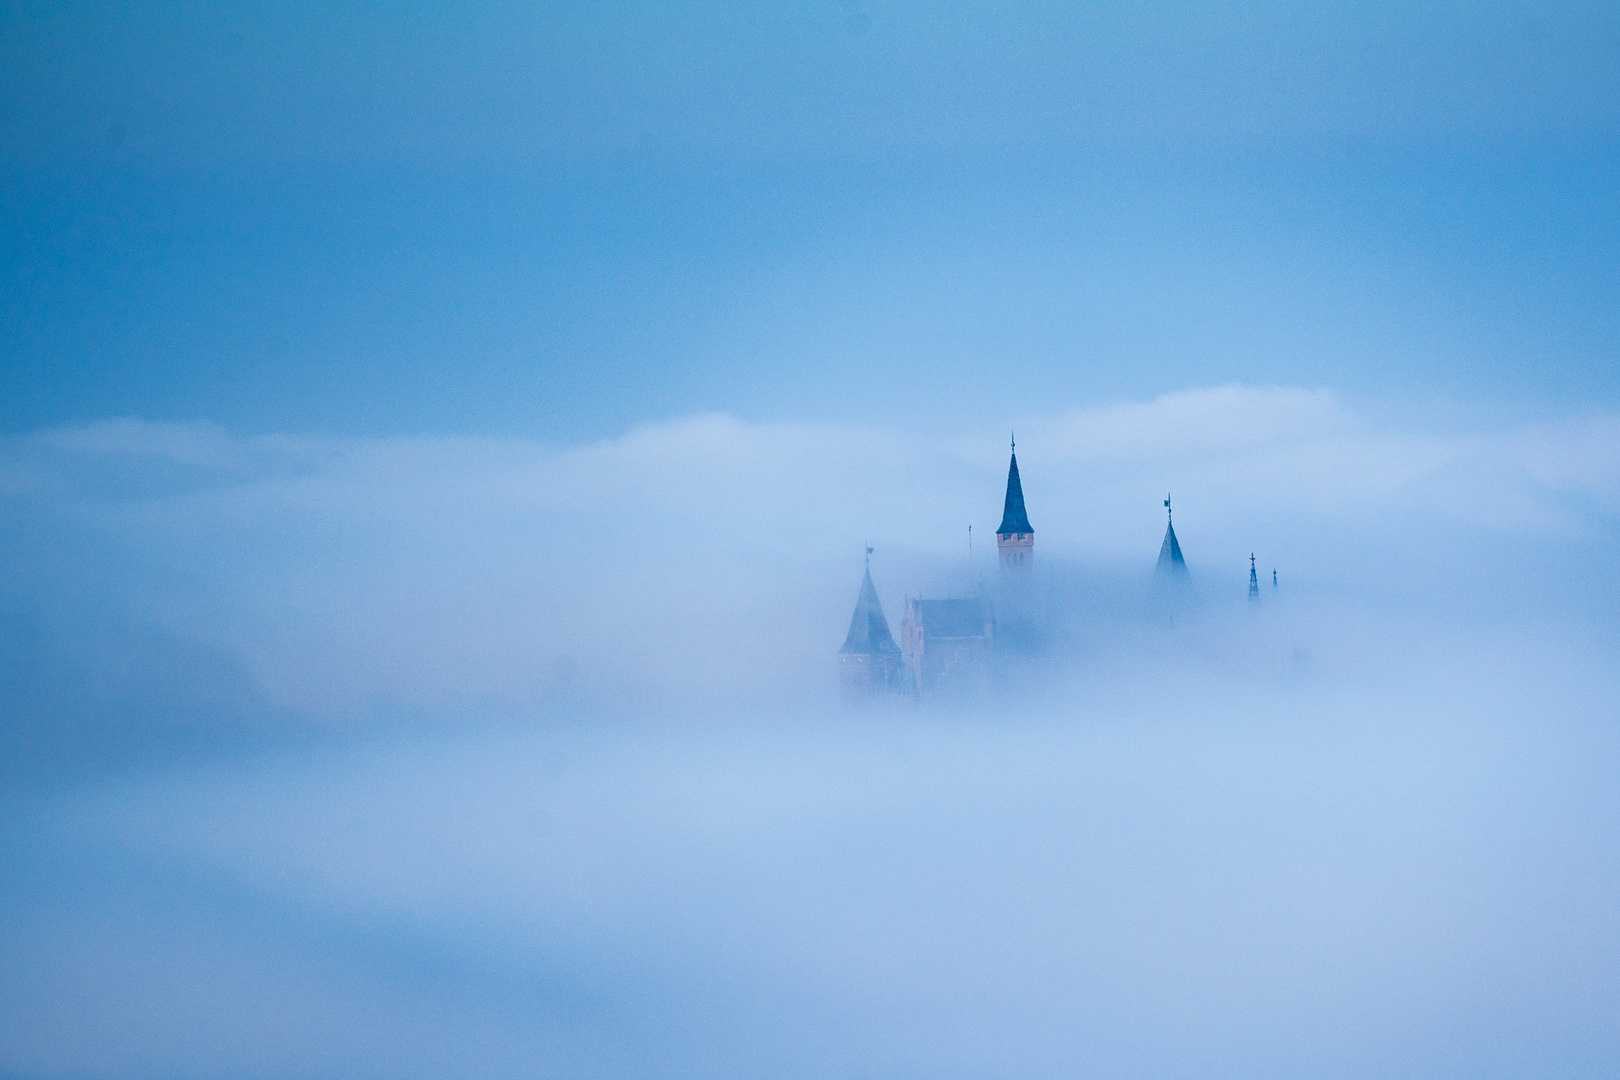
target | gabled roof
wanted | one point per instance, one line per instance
(955, 618)
(868, 629)
(1171, 564)
(1013, 517)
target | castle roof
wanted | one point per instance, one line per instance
(1014, 519)
(1171, 564)
(954, 618)
(868, 629)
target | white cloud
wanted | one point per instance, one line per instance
(709, 555)
(1219, 420)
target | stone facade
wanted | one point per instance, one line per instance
(946, 646)
(864, 677)
(1017, 550)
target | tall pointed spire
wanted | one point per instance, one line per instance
(1172, 567)
(1254, 580)
(1014, 518)
(1015, 538)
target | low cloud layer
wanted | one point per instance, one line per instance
(711, 558)
(476, 757)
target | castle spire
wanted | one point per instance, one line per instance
(1015, 538)
(869, 662)
(1172, 567)
(868, 629)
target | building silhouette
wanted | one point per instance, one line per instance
(949, 646)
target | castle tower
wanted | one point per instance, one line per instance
(1172, 567)
(869, 662)
(1015, 540)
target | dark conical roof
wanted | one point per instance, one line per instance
(868, 629)
(1171, 564)
(1014, 519)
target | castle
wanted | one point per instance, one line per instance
(947, 646)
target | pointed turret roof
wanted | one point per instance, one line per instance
(1171, 564)
(868, 629)
(1014, 519)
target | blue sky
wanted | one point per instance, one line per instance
(557, 222)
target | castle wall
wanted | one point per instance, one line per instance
(947, 646)
(864, 677)
(1017, 550)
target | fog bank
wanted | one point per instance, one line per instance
(478, 757)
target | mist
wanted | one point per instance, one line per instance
(442, 448)
(427, 756)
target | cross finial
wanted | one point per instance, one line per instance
(1015, 442)
(1167, 510)
(868, 556)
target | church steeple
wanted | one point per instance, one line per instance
(1015, 538)
(1172, 567)
(1254, 580)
